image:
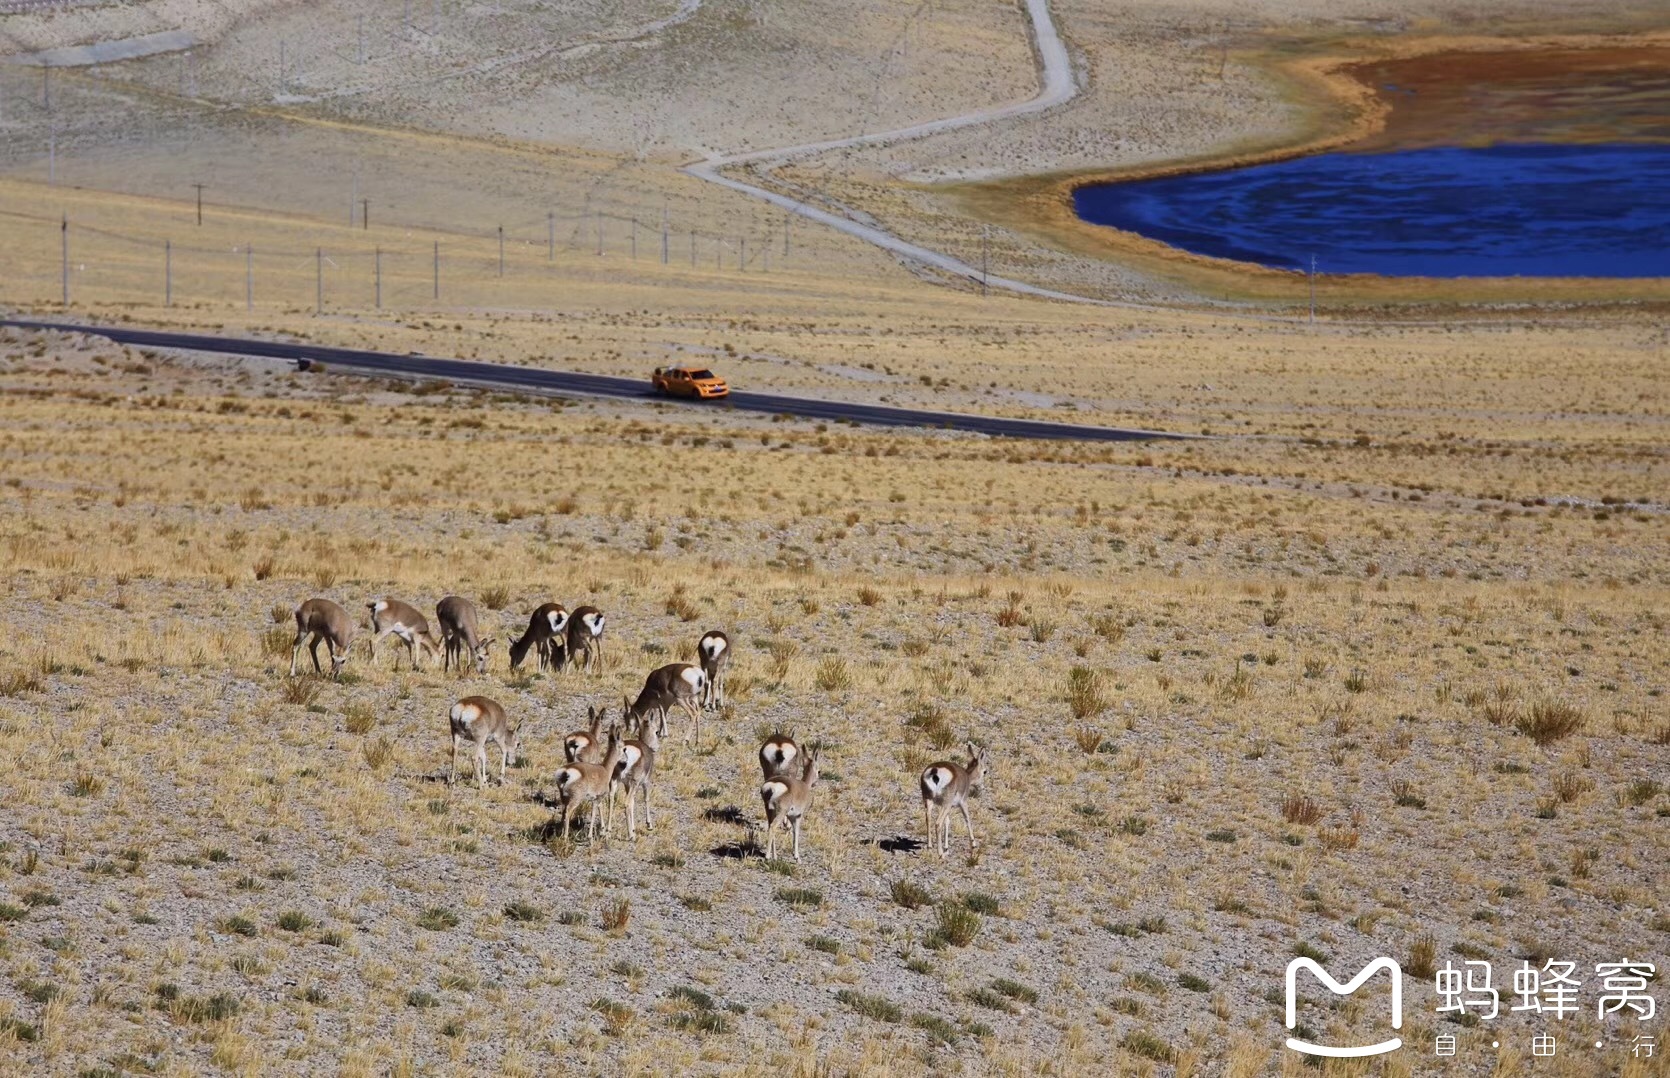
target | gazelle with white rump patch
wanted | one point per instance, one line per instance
(585, 638)
(675, 683)
(586, 784)
(321, 619)
(715, 651)
(946, 786)
(391, 617)
(481, 720)
(779, 755)
(547, 634)
(788, 799)
(635, 772)
(586, 746)
(459, 630)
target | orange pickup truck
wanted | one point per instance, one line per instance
(698, 382)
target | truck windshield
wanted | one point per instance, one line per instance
(699, 375)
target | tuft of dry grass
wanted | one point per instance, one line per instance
(1301, 809)
(1551, 720)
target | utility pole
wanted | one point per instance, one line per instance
(985, 258)
(64, 256)
(249, 278)
(318, 280)
(501, 250)
(437, 271)
(742, 254)
(550, 236)
(167, 273)
(378, 272)
(365, 214)
(1313, 289)
(199, 187)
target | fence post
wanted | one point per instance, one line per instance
(501, 250)
(742, 254)
(437, 269)
(168, 273)
(318, 280)
(64, 256)
(378, 263)
(249, 278)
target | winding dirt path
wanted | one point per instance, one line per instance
(1058, 87)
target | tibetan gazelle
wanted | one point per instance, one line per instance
(780, 754)
(587, 784)
(321, 619)
(946, 786)
(675, 683)
(460, 633)
(585, 639)
(636, 771)
(547, 634)
(714, 650)
(479, 721)
(788, 799)
(405, 622)
(586, 746)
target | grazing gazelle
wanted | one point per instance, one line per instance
(946, 786)
(405, 622)
(459, 630)
(778, 755)
(586, 746)
(321, 619)
(635, 772)
(675, 683)
(585, 638)
(480, 720)
(586, 784)
(547, 634)
(715, 651)
(788, 799)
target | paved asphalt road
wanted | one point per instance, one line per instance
(533, 379)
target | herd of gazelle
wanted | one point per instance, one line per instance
(619, 758)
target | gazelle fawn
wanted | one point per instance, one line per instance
(459, 630)
(480, 720)
(406, 623)
(586, 784)
(788, 799)
(321, 619)
(585, 638)
(714, 648)
(779, 755)
(675, 683)
(635, 772)
(547, 634)
(946, 786)
(586, 746)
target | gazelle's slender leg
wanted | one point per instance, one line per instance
(453, 778)
(313, 650)
(481, 766)
(649, 824)
(928, 821)
(969, 824)
(504, 760)
(631, 814)
(796, 824)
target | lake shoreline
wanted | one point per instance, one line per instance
(1343, 113)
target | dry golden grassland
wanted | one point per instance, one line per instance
(1363, 684)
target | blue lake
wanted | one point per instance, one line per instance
(1499, 211)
